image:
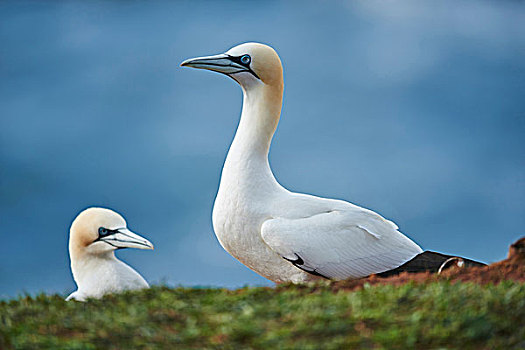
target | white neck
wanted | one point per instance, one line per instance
(83, 264)
(248, 155)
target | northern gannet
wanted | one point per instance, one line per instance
(94, 236)
(286, 236)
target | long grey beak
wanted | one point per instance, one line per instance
(124, 238)
(219, 63)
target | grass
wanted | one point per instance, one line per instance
(424, 316)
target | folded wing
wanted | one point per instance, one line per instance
(340, 244)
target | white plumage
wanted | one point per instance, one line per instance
(94, 236)
(282, 235)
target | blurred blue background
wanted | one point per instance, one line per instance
(414, 109)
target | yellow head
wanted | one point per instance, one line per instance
(250, 64)
(100, 230)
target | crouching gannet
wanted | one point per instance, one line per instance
(94, 236)
(286, 236)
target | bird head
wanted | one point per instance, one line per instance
(100, 230)
(250, 64)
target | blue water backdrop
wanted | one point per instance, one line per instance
(415, 109)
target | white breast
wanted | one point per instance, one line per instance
(96, 277)
(238, 215)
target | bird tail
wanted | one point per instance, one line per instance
(431, 262)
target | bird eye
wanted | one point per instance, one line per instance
(245, 59)
(102, 231)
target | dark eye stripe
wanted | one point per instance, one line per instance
(103, 232)
(237, 59)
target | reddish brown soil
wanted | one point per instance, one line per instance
(512, 268)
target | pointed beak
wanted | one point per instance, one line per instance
(124, 238)
(219, 63)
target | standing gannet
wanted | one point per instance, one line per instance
(94, 236)
(286, 236)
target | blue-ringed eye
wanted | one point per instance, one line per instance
(102, 231)
(245, 59)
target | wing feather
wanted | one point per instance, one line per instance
(340, 244)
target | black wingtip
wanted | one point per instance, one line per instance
(427, 261)
(299, 263)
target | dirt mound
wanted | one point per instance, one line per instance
(512, 268)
